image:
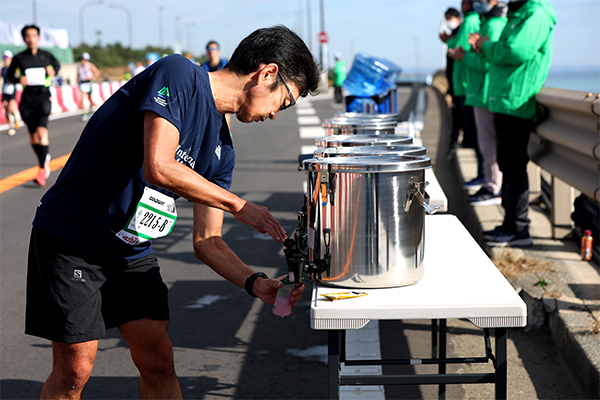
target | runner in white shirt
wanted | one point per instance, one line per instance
(86, 73)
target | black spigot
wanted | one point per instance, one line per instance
(295, 259)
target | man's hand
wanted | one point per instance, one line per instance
(261, 219)
(476, 40)
(266, 290)
(23, 80)
(444, 37)
(50, 70)
(457, 53)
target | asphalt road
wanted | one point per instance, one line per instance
(227, 345)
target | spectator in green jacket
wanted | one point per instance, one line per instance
(339, 75)
(519, 65)
(493, 21)
(452, 24)
(470, 25)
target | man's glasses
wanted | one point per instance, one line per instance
(292, 100)
(212, 48)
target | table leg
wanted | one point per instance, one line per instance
(501, 366)
(333, 360)
(442, 366)
(434, 338)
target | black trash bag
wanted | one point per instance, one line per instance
(587, 215)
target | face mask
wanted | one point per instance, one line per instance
(480, 7)
(453, 24)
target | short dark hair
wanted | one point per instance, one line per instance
(27, 27)
(280, 46)
(453, 12)
(212, 42)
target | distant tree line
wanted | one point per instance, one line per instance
(115, 55)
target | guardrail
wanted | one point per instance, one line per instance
(567, 146)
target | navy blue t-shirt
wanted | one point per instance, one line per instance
(102, 182)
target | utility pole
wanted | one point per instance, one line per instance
(177, 46)
(324, 50)
(160, 27)
(34, 9)
(129, 25)
(308, 25)
(83, 7)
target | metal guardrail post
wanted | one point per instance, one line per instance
(562, 206)
(535, 179)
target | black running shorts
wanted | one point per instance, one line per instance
(73, 297)
(35, 114)
(7, 97)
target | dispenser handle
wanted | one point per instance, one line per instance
(414, 190)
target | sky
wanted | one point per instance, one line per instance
(402, 31)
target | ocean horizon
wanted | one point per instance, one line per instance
(579, 78)
(584, 80)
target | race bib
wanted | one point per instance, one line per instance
(9, 89)
(85, 87)
(154, 217)
(36, 76)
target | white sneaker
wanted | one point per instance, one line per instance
(11, 132)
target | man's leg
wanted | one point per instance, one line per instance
(40, 136)
(512, 135)
(486, 139)
(71, 368)
(13, 109)
(152, 354)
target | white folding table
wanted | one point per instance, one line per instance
(459, 281)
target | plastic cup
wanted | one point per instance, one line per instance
(282, 306)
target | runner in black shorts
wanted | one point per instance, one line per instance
(9, 103)
(113, 291)
(35, 69)
(162, 135)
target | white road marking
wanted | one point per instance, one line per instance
(311, 132)
(206, 301)
(309, 120)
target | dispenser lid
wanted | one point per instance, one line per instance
(368, 164)
(374, 116)
(362, 140)
(359, 123)
(360, 151)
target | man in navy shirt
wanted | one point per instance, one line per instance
(161, 136)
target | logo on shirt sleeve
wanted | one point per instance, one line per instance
(218, 151)
(162, 96)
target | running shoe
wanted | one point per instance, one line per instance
(474, 184)
(11, 132)
(41, 177)
(85, 118)
(504, 238)
(493, 232)
(47, 166)
(484, 197)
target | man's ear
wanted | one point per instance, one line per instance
(269, 72)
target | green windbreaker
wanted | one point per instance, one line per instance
(520, 59)
(459, 75)
(339, 73)
(478, 66)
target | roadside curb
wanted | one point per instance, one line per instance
(568, 311)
